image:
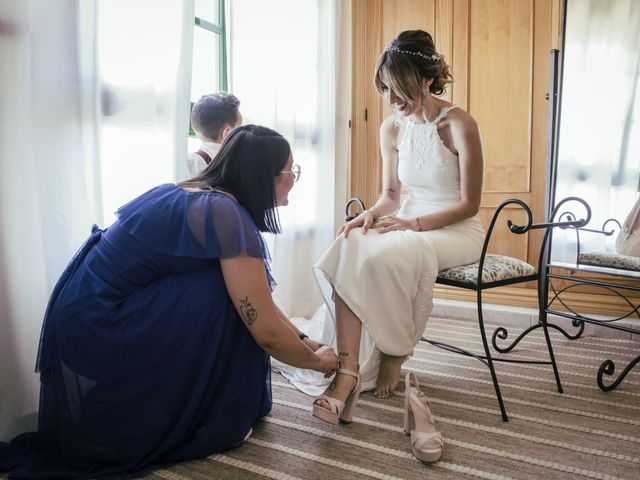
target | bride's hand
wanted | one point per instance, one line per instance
(392, 223)
(364, 220)
(312, 344)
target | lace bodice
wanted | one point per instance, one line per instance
(429, 170)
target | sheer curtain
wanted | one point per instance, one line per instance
(144, 61)
(94, 110)
(47, 203)
(284, 73)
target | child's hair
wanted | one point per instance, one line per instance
(212, 112)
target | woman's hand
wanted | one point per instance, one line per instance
(328, 360)
(364, 220)
(392, 223)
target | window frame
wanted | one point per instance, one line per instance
(220, 30)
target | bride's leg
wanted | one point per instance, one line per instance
(388, 375)
(348, 331)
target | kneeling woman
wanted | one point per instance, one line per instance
(156, 342)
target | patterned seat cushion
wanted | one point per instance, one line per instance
(495, 268)
(610, 260)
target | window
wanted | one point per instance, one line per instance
(209, 67)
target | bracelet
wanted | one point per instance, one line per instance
(302, 336)
(418, 222)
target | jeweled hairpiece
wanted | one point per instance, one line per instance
(432, 58)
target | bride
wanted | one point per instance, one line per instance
(377, 277)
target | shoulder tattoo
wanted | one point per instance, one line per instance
(248, 313)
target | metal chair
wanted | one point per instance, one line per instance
(492, 271)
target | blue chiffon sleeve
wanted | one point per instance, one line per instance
(176, 222)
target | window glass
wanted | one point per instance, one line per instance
(206, 63)
(208, 10)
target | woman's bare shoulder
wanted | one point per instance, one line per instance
(461, 120)
(391, 124)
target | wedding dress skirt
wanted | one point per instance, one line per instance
(387, 282)
(387, 279)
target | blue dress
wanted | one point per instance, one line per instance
(143, 358)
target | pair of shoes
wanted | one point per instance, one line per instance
(342, 411)
(426, 440)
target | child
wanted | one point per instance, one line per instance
(212, 118)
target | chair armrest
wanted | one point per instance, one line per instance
(347, 213)
(608, 227)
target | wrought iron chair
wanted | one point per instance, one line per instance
(492, 271)
(624, 274)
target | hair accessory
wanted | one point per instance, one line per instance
(432, 58)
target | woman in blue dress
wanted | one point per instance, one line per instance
(156, 341)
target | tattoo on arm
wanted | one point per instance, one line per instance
(390, 190)
(248, 313)
(343, 354)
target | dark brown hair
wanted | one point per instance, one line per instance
(408, 60)
(246, 166)
(212, 112)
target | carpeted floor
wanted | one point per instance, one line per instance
(583, 433)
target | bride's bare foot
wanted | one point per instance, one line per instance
(388, 375)
(340, 388)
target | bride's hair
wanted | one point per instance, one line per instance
(408, 61)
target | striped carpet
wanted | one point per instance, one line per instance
(583, 433)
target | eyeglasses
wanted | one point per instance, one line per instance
(295, 171)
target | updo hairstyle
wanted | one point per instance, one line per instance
(408, 60)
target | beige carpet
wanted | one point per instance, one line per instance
(583, 433)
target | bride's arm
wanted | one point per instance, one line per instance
(389, 200)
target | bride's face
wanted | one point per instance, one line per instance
(404, 107)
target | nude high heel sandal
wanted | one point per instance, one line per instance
(426, 440)
(340, 411)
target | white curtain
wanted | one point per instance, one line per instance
(144, 62)
(283, 70)
(599, 143)
(94, 110)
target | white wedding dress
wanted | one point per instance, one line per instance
(387, 279)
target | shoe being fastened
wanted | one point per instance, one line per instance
(342, 411)
(426, 440)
